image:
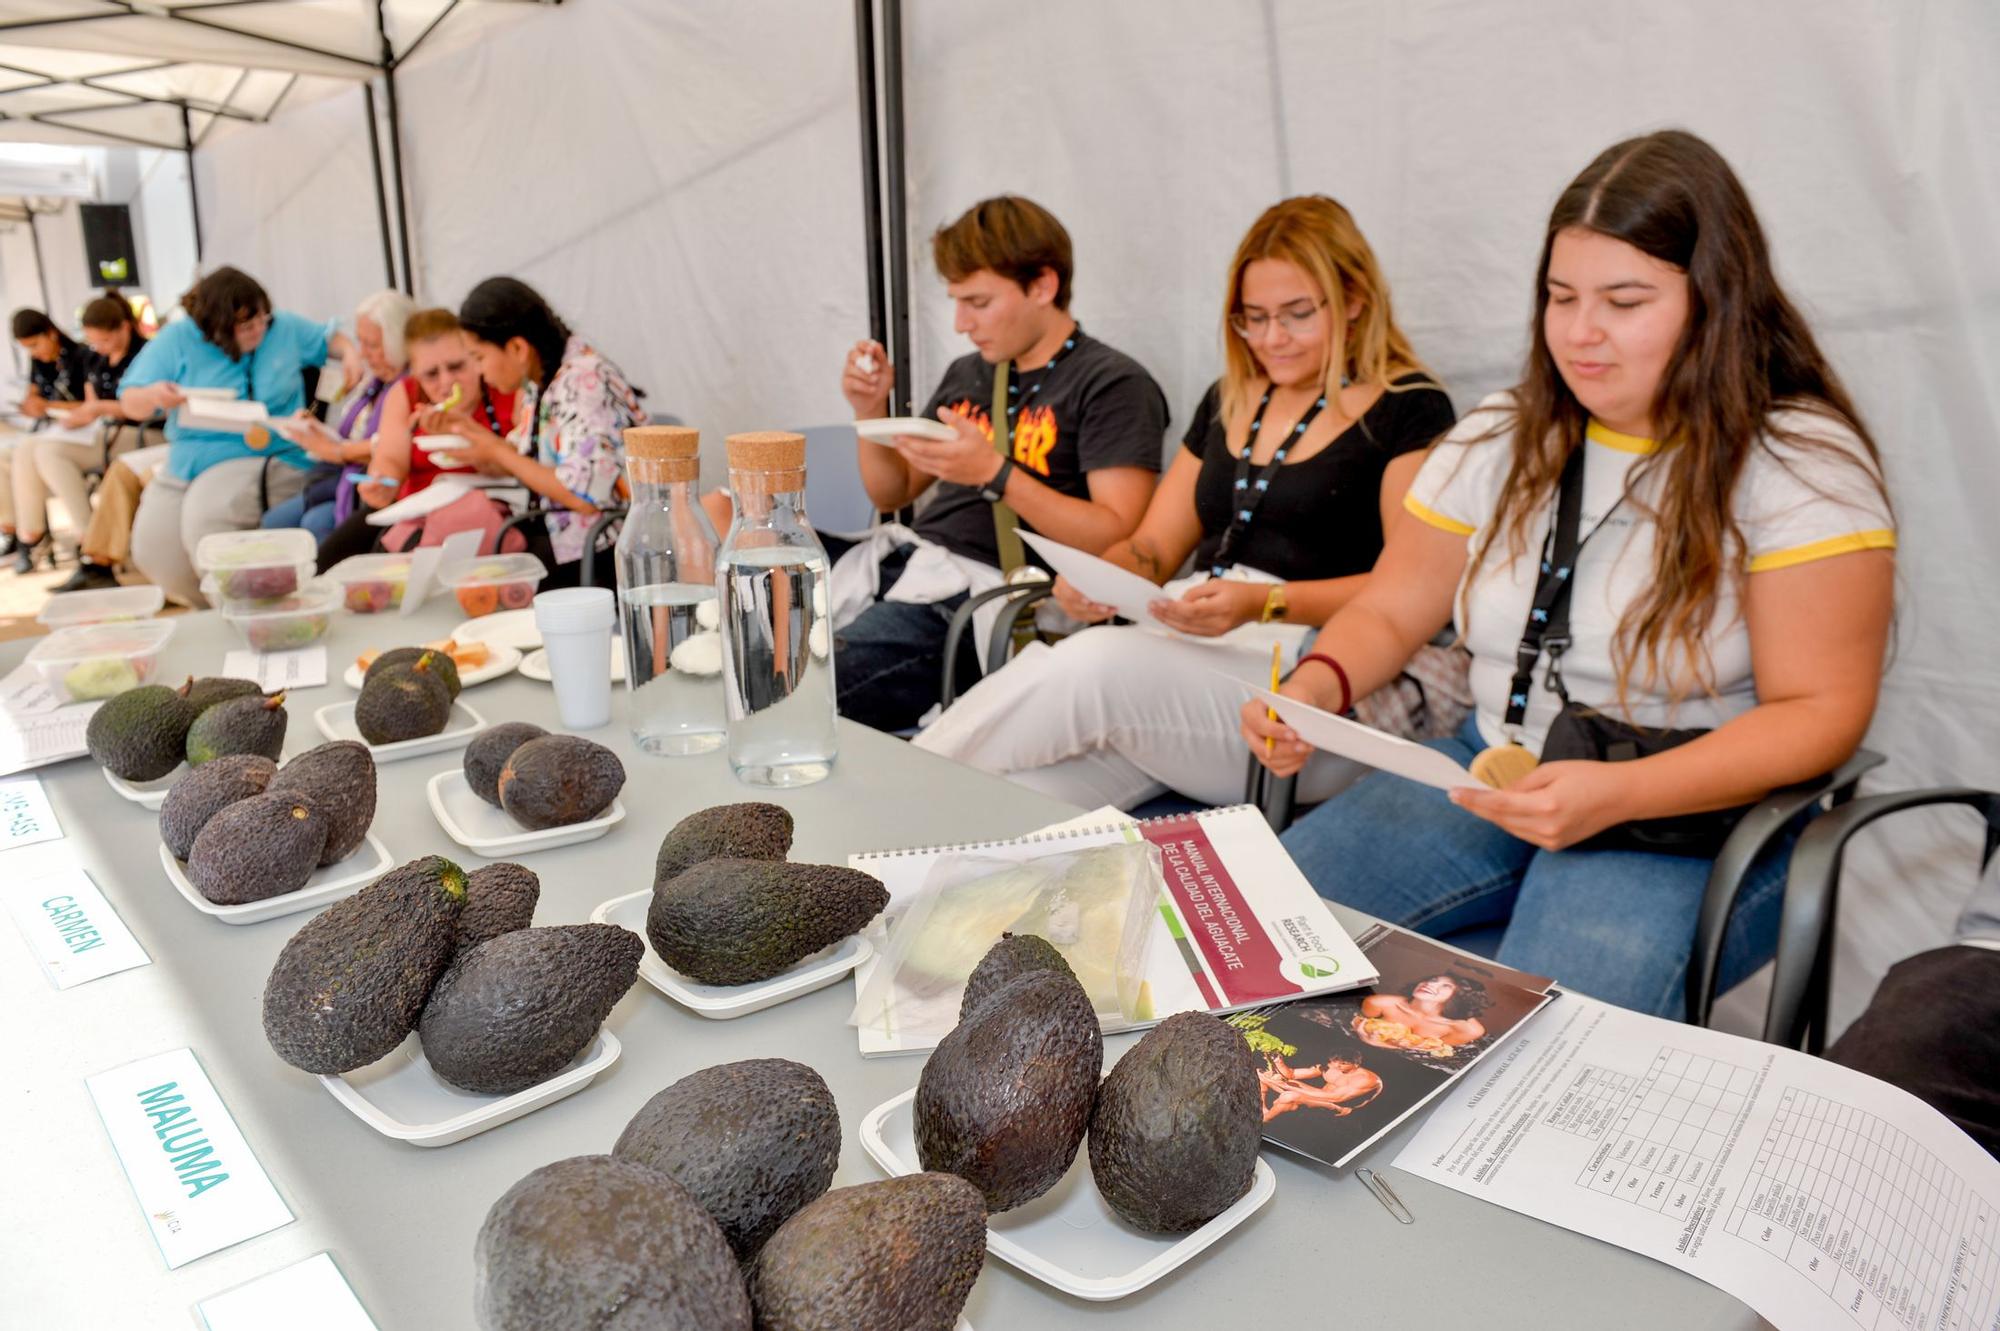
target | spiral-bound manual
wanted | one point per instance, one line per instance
(1236, 925)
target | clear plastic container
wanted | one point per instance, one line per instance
(495, 582)
(103, 605)
(285, 623)
(256, 565)
(99, 660)
(371, 584)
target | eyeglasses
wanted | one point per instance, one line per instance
(1293, 318)
(254, 322)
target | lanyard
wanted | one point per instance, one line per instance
(486, 409)
(1248, 493)
(1009, 374)
(1548, 617)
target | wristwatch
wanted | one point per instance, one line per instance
(995, 490)
(1274, 604)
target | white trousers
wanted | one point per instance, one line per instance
(175, 514)
(1118, 715)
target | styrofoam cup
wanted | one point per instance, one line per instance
(575, 624)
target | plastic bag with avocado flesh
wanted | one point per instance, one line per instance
(1094, 906)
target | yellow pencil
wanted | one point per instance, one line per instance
(1277, 678)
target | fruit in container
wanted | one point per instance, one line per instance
(517, 595)
(286, 634)
(258, 583)
(373, 596)
(104, 677)
(479, 599)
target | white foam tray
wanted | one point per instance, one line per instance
(147, 794)
(336, 721)
(488, 831)
(400, 1097)
(501, 660)
(722, 1002)
(327, 884)
(502, 628)
(1068, 1238)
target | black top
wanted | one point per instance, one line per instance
(105, 374)
(1095, 407)
(1322, 517)
(62, 379)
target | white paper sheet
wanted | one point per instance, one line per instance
(426, 560)
(1104, 582)
(303, 668)
(44, 738)
(434, 497)
(23, 694)
(1820, 1197)
(66, 922)
(1365, 744)
(306, 1296)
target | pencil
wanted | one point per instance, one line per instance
(1277, 678)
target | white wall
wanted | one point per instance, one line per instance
(163, 225)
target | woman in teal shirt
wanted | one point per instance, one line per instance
(219, 480)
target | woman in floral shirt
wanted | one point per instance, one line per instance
(572, 414)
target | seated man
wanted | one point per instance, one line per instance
(1933, 1027)
(1076, 457)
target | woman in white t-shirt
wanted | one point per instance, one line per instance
(1734, 576)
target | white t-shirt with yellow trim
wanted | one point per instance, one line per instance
(1792, 504)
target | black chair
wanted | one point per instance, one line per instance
(1803, 978)
(1021, 598)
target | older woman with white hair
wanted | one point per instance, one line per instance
(343, 451)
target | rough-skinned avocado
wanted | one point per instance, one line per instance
(752, 1141)
(902, 1253)
(1174, 1137)
(340, 775)
(729, 921)
(249, 724)
(748, 831)
(141, 734)
(488, 753)
(557, 780)
(499, 898)
(1005, 1099)
(208, 690)
(262, 846)
(349, 987)
(440, 662)
(514, 1011)
(1014, 954)
(600, 1243)
(205, 792)
(402, 702)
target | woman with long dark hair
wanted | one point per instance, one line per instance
(112, 332)
(58, 372)
(1669, 550)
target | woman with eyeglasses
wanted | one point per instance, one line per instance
(220, 480)
(1295, 462)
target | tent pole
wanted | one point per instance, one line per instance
(41, 276)
(381, 189)
(899, 237)
(871, 163)
(194, 200)
(396, 150)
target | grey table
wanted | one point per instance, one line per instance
(400, 1220)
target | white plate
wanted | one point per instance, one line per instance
(485, 830)
(147, 794)
(336, 721)
(443, 450)
(326, 885)
(884, 430)
(502, 628)
(1068, 1238)
(499, 661)
(400, 1097)
(535, 665)
(213, 394)
(723, 1001)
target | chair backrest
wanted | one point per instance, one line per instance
(835, 498)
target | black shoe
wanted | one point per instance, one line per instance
(27, 556)
(89, 577)
(7, 544)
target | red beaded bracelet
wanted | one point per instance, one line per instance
(1346, 689)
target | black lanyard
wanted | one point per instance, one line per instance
(1004, 429)
(486, 408)
(1547, 628)
(1248, 493)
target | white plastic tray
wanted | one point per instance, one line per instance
(444, 450)
(485, 830)
(148, 794)
(500, 660)
(326, 885)
(719, 1001)
(336, 721)
(535, 666)
(1068, 1238)
(884, 429)
(502, 628)
(400, 1097)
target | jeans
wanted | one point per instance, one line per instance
(889, 663)
(1615, 924)
(295, 512)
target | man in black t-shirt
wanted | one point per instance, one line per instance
(1085, 424)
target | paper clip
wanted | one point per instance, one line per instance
(1386, 1195)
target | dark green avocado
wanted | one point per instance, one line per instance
(557, 780)
(488, 753)
(206, 791)
(140, 734)
(262, 846)
(402, 702)
(1014, 954)
(340, 776)
(499, 898)
(248, 724)
(729, 921)
(748, 831)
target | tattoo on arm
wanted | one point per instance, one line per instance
(1145, 557)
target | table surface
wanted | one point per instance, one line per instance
(400, 1220)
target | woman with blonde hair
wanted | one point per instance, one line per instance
(1293, 466)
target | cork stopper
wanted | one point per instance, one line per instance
(663, 454)
(767, 450)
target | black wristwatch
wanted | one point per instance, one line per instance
(995, 490)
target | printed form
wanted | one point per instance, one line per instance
(1818, 1196)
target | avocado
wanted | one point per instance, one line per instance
(488, 753)
(141, 734)
(402, 702)
(1174, 1137)
(262, 846)
(599, 1243)
(729, 921)
(514, 1011)
(205, 792)
(752, 1141)
(340, 776)
(1004, 1100)
(206, 692)
(1014, 954)
(250, 724)
(903, 1253)
(499, 899)
(440, 663)
(558, 780)
(749, 831)
(350, 985)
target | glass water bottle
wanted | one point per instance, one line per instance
(777, 637)
(667, 598)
